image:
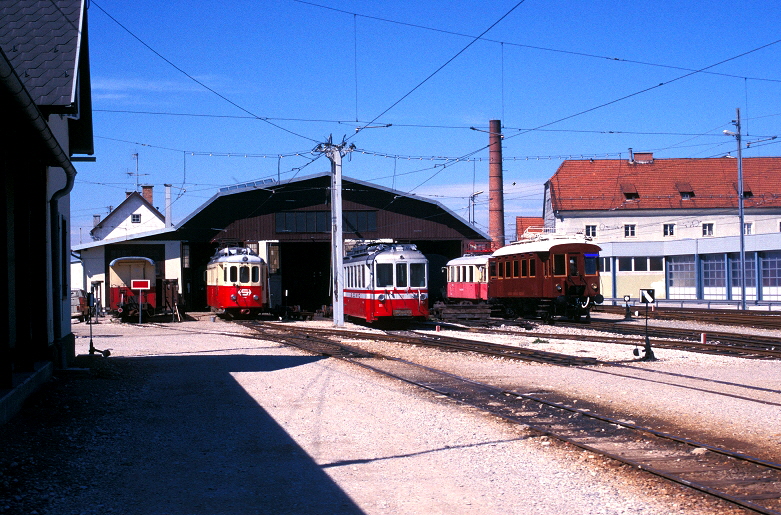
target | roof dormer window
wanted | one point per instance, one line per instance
(685, 189)
(746, 189)
(135, 218)
(629, 191)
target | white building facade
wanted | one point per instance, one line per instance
(673, 225)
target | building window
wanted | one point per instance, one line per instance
(185, 255)
(669, 229)
(714, 271)
(748, 228)
(591, 231)
(707, 229)
(604, 264)
(624, 264)
(656, 264)
(320, 221)
(751, 271)
(136, 219)
(682, 280)
(629, 231)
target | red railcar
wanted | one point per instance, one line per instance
(467, 279)
(386, 282)
(237, 282)
(123, 300)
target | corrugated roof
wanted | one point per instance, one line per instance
(600, 184)
(42, 40)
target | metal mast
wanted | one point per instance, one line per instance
(335, 154)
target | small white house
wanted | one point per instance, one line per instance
(134, 215)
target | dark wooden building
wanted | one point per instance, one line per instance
(293, 221)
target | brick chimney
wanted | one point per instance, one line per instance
(495, 185)
(146, 192)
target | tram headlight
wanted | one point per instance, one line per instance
(381, 297)
(558, 287)
(255, 298)
(594, 286)
(233, 297)
(423, 296)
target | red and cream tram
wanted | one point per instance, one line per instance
(386, 282)
(237, 282)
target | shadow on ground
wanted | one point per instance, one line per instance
(164, 435)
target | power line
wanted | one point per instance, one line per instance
(231, 102)
(533, 47)
(441, 67)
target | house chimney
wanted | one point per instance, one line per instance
(146, 192)
(95, 220)
(167, 205)
(631, 156)
(495, 185)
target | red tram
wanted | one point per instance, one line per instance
(386, 282)
(544, 274)
(123, 272)
(237, 282)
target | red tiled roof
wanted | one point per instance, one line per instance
(610, 184)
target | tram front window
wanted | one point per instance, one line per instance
(417, 275)
(244, 274)
(384, 275)
(401, 275)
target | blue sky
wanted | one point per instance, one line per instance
(194, 87)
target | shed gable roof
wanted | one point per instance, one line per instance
(600, 185)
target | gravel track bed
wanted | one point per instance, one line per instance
(182, 420)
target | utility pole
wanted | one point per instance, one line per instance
(335, 154)
(736, 121)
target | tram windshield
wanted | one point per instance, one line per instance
(417, 275)
(384, 275)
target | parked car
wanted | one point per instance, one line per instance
(79, 306)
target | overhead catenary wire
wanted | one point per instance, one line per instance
(200, 83)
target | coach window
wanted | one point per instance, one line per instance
(471, 274)
(559, 264)
(401, 275)
(417, 275)
(590, 265)
(524, 268)
(500, 272)
(573, 265)
(492, 270)
(255, 274)
(384, 275)
(515, 268)
(244, 274)
(532, 267)
(234, 274)
(225, 274)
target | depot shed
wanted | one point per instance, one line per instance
(289, 224)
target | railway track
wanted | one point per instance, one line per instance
(729, 317)
(719, 343)
(749, 482)
(442, 342)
